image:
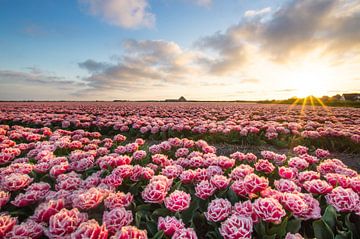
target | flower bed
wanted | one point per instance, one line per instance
(80, 184)
(280, 125)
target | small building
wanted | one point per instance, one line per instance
(181, 99)
(352, 96)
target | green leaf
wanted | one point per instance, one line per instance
(260, 228)
(104, 173)
(222, 193)
(18, 213)
(151, 227)
(233, 198)
(322, 230)
(188, 214)
(278, 229)
(344, 235)
(160, 212)
(137, 219)
(203, 206)
(293, 225)
(158, 235)
(329, 217)
(177, 186)
(211, 235)
(134, 189)
(352, 226)
(269, 236)
(143, 207)
(33, 174)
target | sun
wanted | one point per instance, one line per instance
(311, 79)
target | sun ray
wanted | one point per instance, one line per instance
(323, 106)
(303, 106)
(327, 109)
(293, 105)
(312, 102)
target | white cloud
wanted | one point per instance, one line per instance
(144, 64)
(34, 83)
(257, 13)
(122, 13)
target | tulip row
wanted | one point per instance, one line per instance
(57, 183)
(234, 123)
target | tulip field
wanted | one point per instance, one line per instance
(121, 170)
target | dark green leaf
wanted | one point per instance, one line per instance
(352, 226)
(322, 230)
(329, 217)
(293, 225)
(158, 235)
(233, 198)
(279, 229)
(137, 219)
(143, 207)
(189, 213)
(203, 205)
(269, 236)
(151, 227)
(211, 235)
(134, 189)
(177, 186)
(260, 228)
(344, 235)
(160, 212)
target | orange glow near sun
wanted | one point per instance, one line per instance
(311, 79)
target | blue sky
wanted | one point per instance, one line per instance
(44, 42)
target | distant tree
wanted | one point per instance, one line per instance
(336, 97)
(325, 98)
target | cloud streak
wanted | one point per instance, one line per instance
(34, 83)
(122, 13)
(257, 13)
(34, 76)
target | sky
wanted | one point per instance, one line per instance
(159, 49)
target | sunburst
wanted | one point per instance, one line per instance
(309, 101)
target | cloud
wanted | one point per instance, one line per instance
(122, 13)
(300, 28)
(257, 13)
(286, 90)
(296, 27)
(250, 81)
(34, 76)
(93, 66)
(144, 63)
(229, 49)
(33, 83)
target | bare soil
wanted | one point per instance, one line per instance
(352, 160)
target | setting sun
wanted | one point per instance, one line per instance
(311, 79)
